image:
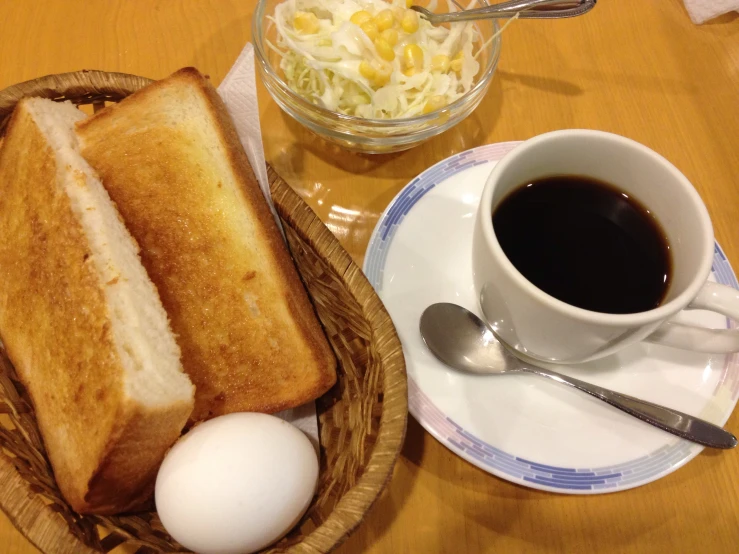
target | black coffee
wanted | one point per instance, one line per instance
(586, 243)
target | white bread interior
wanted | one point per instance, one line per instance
(145, 344)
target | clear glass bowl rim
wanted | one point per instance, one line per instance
(305, 105)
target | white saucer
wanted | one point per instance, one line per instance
(521, 427)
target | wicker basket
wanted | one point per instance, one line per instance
(362, 419)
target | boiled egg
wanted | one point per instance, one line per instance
(236, 484)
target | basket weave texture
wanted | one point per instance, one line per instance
(362, 419)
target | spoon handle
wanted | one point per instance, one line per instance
(528, 9)
(680, 424)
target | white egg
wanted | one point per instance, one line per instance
(236, 484)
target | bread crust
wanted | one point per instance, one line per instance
(249, 335)
(56, 327)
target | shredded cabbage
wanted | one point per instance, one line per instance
(332, 62)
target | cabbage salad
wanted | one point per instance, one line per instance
(374, 59)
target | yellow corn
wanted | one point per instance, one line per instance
(408, 3)
(384, 20)
(440, 62)
(366, 70)
(434, 103)
(384, 50)
(382, 76)
(456, 63)
(306, 23)
(390, 36)
(360, 17)
(370, 29)
(409, 23)
(412, 59)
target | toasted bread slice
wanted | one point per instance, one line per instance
(80, 319)
(171, 160)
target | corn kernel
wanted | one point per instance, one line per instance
(306, 23)
(456, 63)
(384, 20)
(440, 62)
(384, 50)
(360, 17)
(434, 103)
(390, 36)
(382, 76)
(412, 59)
(366, 70)
(408, 3)
(370, 29)
(409, 23)
(381, 79)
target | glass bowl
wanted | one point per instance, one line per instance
(362, 134)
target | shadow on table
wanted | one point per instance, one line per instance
(551, 522)
(521, 512)
(391, 501)
(546, 84)
(727, 18)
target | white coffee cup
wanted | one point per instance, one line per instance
(542, 327)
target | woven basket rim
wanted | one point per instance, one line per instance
(51, 85)
(94, 86)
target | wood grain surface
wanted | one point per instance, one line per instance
(634, 67)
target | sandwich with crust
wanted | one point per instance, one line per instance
(170, 158)
(81, 320)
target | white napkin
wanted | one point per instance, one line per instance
(701, 11)
(239, 92)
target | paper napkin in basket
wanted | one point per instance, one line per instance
(703, 10)
(239, 92)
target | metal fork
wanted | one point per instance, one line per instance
(529, 9)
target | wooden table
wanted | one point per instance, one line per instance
(637, 68)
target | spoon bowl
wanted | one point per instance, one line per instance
(461, 340)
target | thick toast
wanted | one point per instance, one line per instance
(171, 160)
(81, 321)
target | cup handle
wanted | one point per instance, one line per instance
(714, 297)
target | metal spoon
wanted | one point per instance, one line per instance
(529, 9)
(462, 341)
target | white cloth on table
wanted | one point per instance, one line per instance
(701, 11)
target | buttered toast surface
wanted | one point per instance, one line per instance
(169, 157)
(81, 321)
